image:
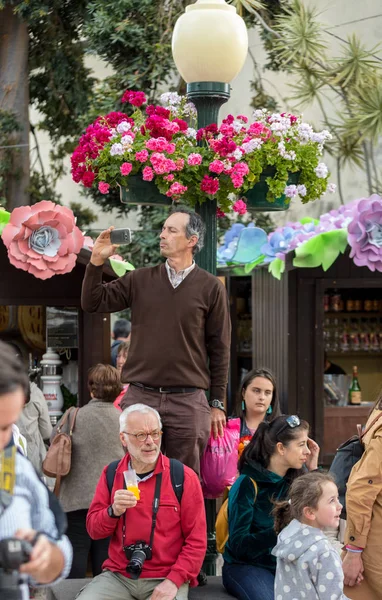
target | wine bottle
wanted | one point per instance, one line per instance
(355, 394)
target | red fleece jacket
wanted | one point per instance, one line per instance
(180, 542)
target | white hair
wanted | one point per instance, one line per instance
(139, 408)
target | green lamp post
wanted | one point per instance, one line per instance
(209, 46)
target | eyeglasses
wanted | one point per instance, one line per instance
(292, 421)
(142, 437)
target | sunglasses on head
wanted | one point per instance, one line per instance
(292, 421)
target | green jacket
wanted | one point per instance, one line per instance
(250, 523)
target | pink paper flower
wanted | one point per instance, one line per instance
(88, 243)
(125, 168)
(43, 239)
(116, 257)
(240, 207)
(103, 187)
(148, 174)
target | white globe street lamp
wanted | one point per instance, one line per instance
(209, 46)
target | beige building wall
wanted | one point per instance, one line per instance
(341, 18)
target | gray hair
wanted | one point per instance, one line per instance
(195, 226)
(140, 408)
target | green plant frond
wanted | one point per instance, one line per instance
(250, 6)
(349, 152)
(366, 107)
(307, 88)
(301, 34)
(356, 63)
(346, 146)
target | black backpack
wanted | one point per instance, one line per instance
(176, 474)
(347, 455)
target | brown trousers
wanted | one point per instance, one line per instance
(186, 420)
(371, 586)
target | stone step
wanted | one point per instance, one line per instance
(69, 588)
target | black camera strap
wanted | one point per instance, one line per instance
(158, 484)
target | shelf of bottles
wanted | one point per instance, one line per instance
(352, 327)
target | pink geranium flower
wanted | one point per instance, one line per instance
(148, 174)
(134, 98)
(194, 159)
(176, 189)
(103, 187)
(240, 207)
(88, 178)
(157, 144)
(43, 239)
(217, 166)
(125, 168)
(209, 185)
(142, 156)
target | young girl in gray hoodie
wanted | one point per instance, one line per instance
(307, 564)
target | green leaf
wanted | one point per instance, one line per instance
(250, 266)
(4, 219)
(120, 267)
(321, 250)
(277, 268)
(306, 220)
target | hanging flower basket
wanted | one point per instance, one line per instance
(143, 192)
(256, 197)
(156, 157)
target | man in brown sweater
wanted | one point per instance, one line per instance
(180, 336)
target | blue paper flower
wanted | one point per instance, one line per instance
(278, 242)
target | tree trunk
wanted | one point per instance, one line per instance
(14, 98)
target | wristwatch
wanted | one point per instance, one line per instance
(110, 512)
(217, 404)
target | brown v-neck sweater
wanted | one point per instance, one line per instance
(179, 337)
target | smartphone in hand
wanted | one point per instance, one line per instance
(120, 236)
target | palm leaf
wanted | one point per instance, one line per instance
(308, 87)
(301, 35)
(250, 6)
(356, 64)
(366, 108)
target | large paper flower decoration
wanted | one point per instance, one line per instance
(365, 233)
(43, 239)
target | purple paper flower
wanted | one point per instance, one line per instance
(365, 233)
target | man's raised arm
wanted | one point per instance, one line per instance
(104, 297)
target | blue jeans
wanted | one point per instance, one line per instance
(247, 582)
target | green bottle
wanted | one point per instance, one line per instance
(355, 394)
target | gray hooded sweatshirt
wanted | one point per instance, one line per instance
(307, 565)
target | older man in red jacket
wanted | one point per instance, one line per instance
(167, 535)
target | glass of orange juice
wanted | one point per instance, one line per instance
(132, 482)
